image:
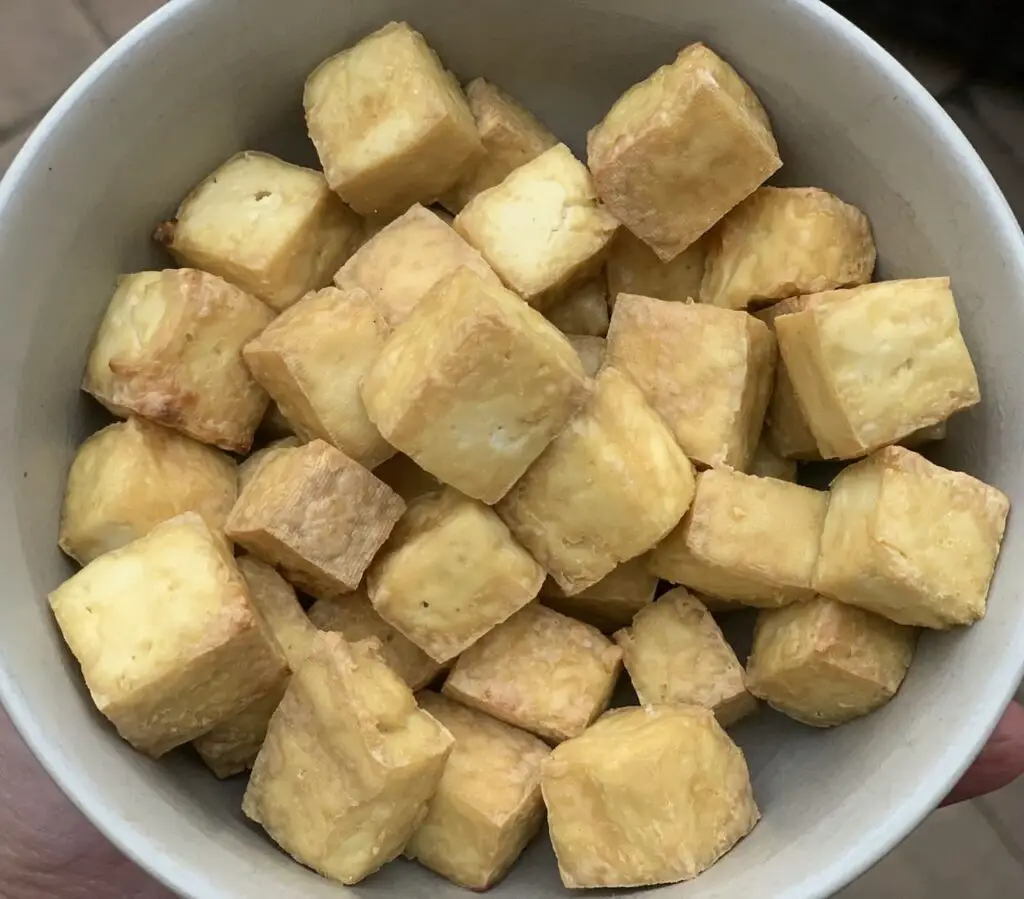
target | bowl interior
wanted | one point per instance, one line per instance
(206, 78)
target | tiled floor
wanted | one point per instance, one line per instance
(974, 850)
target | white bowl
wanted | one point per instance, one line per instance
(204, 78)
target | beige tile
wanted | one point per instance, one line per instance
(9, 147)
(1005, 811)
(116, 17)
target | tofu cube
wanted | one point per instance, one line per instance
(540, 671)
(248, 468)
(312, 360)
(274, 229)
(166, 636)
(317, 515)
(390, 124)
(542, 229)
(591, 351)
(768, 463)
(450, 572)
(676, 654)
(406, 478)
(474, 386)
(583, 311)
(707, 371)
(873, 364)
(132, 475)
(679, 150)
(911, 541)
(488, 806)
(646, 796)
(784, 242)
(609, 488)
(633, 267)
(609, 604)
(349, 765)
(750, 539)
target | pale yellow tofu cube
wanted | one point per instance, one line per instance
(167, 638)
(474, 385)
(406, 478)
(317, 515)
(274, 229)
(450, 572)
(646, 796)
(750, 539)
(312, 360)
(679, 150)
(349, 764)
(248, 468)
(707, 371)
(633, 267)
(488, 806)
(609, 488)
(542, 229)
(911, 541)
(390, 124)
(584, 311)
(872, 364)
(541, 671)
(768, 463)
(591, 351)
(275, 599)
(609, 604)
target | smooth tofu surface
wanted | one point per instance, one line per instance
(669, 198)
(633, 267)
(450, 572)
(542, 229)
(406, 478)
(167, 638)
(474, 385)
(170, 349)
(646, 796)
(609, 604)
(488, 806)
(248, 467)
(707, 371)
(275, 229)
(591, 351)
(609, 487)
(911, 541)
(312, 360)
(540, 671)
(768, 463)
(391, 126)
(584, 311)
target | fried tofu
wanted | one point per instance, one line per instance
(591, 351)
(767, 463)
(609, 604)
(633, 267)
(584, 311)
(248, 468)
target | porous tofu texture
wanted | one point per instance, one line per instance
(606, 490)
(317, 515)
(274, 229)
(450, 572)
(609, 604)
(591, 351)
(488, 805)
(249, 466)
(312, 360)
(540, 671)
(349, 764)
(707, 371)
(130, 476)
(680, 149)
(750, 539)
(911, 541)
(170, 349)
(784, 242)
(167, 638)
(390, 124)
(474, 385)
(542, 229)
(872, 364)
(584, 311)
(646, 796)
(633, 267)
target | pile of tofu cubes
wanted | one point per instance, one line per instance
(495, 435)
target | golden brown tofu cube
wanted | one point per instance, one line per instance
(707, 371)
(541, 671)
(633, 267)
(784, 242)
(247, 470)
(584, 311)
(450, 572)
(767, 463)
(911, 541)
(474, 386)
(542, 229)
(609, 487)
(403, 261)
(349, 765)
(676, 655)
(317, 515)
(873, 364)
(312, 360)
(406, 478)
(750, 539)
(668, 197)
(167, 638)
(646, 796)
(390, 124)
(609, 604)
(488, 806)
(274, 229)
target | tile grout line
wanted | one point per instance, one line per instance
(1010, 844)
(93, 22)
